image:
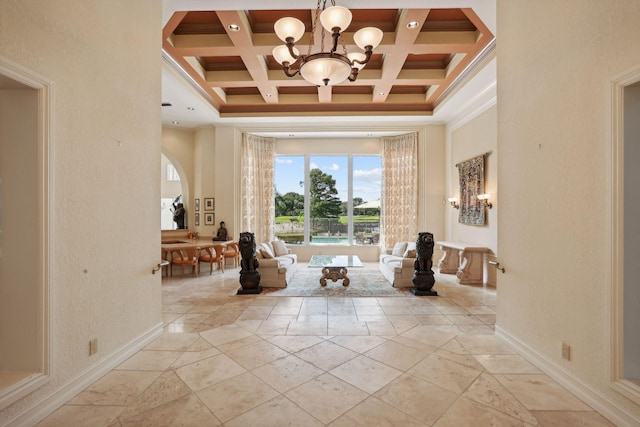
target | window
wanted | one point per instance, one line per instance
(172, 173)
(289, 198)
(324, 199)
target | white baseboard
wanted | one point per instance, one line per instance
(592, 397)
(47, 405)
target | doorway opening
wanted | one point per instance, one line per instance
(171, 193)
(24, 229)
(626, 235)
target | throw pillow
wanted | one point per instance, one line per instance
(398, 249)
(410, 250)
(267, 250)
(279, 248)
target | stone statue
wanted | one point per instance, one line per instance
(423, 274)
(249, 274)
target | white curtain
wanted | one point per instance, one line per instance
(258, 187)
(398, 219)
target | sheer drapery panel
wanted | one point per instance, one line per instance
(258, 186)
(398, 219)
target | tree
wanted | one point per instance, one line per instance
(324, 202)
(290, 204)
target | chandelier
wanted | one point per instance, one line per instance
(324, 68)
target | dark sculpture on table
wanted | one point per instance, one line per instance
(249, 274)
(423, 275)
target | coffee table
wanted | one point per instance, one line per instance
(334, 267)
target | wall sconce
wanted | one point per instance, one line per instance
(454, 202)
(484, 199)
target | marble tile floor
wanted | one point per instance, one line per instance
(260, 360)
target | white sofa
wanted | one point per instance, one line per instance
(397, 264)
(277, 264)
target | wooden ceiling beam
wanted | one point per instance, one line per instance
(253, 82)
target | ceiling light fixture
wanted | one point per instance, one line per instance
(234, 27)
(325, 68)
(413, 24)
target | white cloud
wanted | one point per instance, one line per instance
(283, 161)
(372, 175)
(313, 166)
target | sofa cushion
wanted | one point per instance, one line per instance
(410, 250)
(267, 250)
(386, 258)
(279, 248)
(399, 248)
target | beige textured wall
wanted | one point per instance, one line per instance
(554, 140)
(431, 183)
(204, 176)
(475, 137)
(226, 169)
(105, 150)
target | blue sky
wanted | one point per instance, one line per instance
(366, 174)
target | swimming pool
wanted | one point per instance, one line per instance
(330, 239)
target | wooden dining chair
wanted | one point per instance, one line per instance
(212, 256)
(233, 251)
(185, 257)
(164, 257)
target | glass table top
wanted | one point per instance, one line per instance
(318, 261)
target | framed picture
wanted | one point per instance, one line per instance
(209, 204)
(197, 205)
(209, 219)
(197, 218)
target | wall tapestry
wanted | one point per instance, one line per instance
(471, 174)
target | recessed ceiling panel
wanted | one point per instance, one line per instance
(411, 71)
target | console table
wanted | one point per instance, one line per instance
(463, 260)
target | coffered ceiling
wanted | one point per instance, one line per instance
(411, 73)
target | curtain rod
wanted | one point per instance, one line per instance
(484, 155)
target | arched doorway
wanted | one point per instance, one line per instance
(172, 191)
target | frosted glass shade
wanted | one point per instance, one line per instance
(320, 67)
(335, 16)
(282, 55)
(289, 27)
(359, 56)
(368, 36)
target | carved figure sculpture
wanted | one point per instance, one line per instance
(423, 273)
(249, 273)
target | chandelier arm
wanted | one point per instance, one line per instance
(354, 74)
(336, 36)
(286, 68)
(368, 52)
(290, 46)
